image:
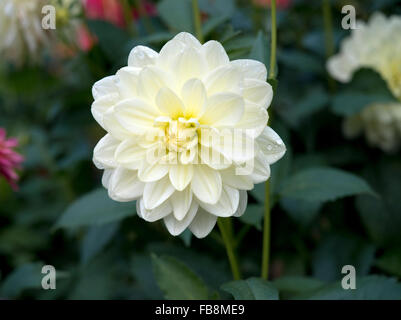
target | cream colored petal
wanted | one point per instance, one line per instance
(135, 115)
(213, 158)
(104, 87)
(151, 80)
(251, 69)
(206, 184)
(155, 214)
(169, 104)
(254, 119)
(181, 175)
(261, 169)
(155, 193)
(113, 127)
(188, 40)
(125, 186)
(223, 79)
(193, 95)
(106, 177)
(189, 64)
(234, 180)
(181, 202)
(271, 145)
(102, 105)
(224, 109)
(215, 54)
(227, 204)
(176, 227)
(202, 224)
(258, 92)
(141, 56)
(130, 152)
(127, 82)
(149, 172)
(243, 200)
(103, 154)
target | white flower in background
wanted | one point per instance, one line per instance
(381, 124)
(375, 45)
(21, 33)
(158, 112)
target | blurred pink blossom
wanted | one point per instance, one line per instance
(9, 159)
(281, 4)
(109, 10)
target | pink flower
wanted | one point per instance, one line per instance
(109, 10)
(281, 4)
(9, 159)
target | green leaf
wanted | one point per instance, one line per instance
(349, 103)
(177, 281)
(260, 49)
(301, 211)
(94, 208)
(177, 14)
(253, 215)
(27, 276)
(314, 100)
(323, 184)
(300, 61)
(96, 238)
(338, 250)
(382, 216)
(112, 40)
(367, 87)
(390, 262)
(367, 288)
(297, 284)
(251, 289)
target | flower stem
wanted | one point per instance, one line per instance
(129, 21)
(266, 223)
(226, 233)
(328, 37)
(273, 46)
(197, 20)
(266, 234)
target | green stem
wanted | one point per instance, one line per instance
(128, 18)
(273, 47)
(266, 223)
(328, 37)
(197, 20)
(266, 234)
(226, 233)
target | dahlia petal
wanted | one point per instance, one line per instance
(251, 69)
(215, 54)
(155, 193)
(193, 94)
(169, 104)
(227, 204)
(155, 214)
(181, 202)
(125, 186)
(223, 109)
(202, 224)
(206, 184)
(176, 227)
(271, 145)
(181, 175)
(141, 56)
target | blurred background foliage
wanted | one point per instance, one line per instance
(335, 201)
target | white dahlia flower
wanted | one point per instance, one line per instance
(21, 33)
(375, 45)
(381, 124)
(187, 134)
